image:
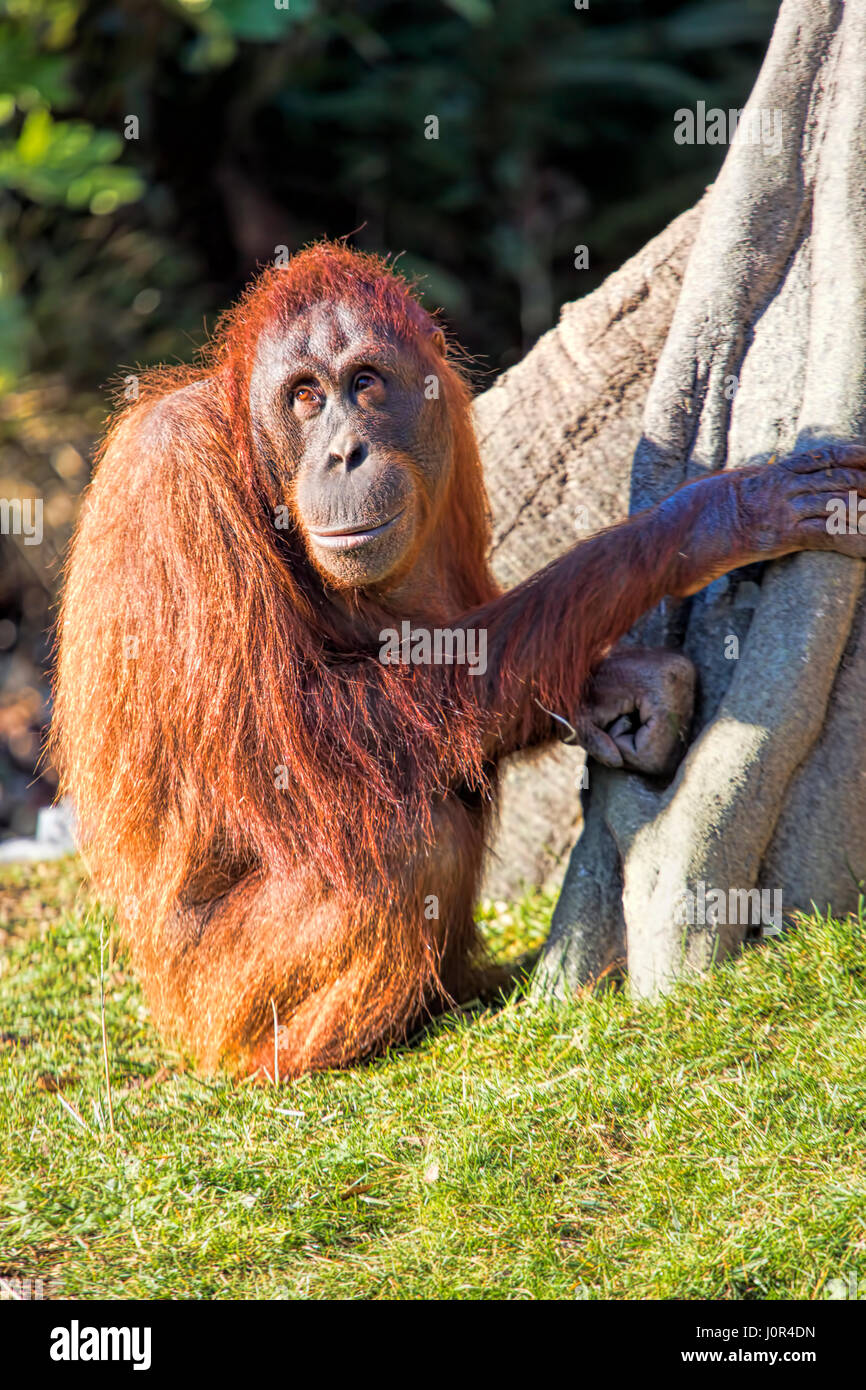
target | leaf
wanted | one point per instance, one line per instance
(27, 74)
(68, 162)
(357, 1189)
(260, 21)
(475, 11)
(717, 25)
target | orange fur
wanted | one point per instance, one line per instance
(270, 807)
(195, 661)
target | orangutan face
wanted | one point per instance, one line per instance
(365, 451)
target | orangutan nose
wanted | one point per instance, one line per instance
(348, 449)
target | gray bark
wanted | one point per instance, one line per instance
(557, 435)
(771, 793)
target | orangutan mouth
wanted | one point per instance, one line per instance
(353, 536)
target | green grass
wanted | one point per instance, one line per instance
(710, 1146)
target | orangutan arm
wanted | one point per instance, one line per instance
(546, 637)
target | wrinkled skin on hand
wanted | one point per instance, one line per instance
(765, 512)
(794, 494)
(639, 711)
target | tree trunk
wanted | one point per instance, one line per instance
(557, 435)
(766, 348)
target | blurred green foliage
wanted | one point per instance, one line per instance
(67, 162)
(152, 151)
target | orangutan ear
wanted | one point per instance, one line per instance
(437, 338)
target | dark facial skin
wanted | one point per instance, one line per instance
(366, 453)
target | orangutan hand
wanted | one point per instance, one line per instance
(639, 710)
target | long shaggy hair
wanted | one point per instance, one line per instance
(220, 718)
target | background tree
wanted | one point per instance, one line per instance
(765, 349)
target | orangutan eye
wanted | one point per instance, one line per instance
(365, 381)
(306, 393)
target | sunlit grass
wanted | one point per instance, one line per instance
(708, 1146)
